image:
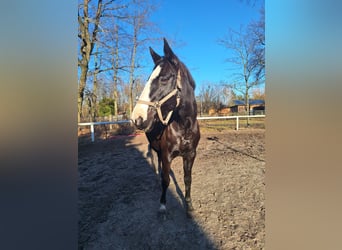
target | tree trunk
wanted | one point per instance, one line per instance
(247, 103)
(115, 73)
(81, 87)
(87, 45)
(131, 75)
(94, 93)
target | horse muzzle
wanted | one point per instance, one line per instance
(143, 125)
(138, 122)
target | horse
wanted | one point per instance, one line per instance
(167, 111)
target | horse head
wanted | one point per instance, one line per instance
(161, 95)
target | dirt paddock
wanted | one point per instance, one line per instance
(119, 195)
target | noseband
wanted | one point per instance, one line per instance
(157, 105)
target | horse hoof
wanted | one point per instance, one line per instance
(189, 215)
(162, 208)
(189, 207)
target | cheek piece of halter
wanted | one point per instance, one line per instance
(157, 105)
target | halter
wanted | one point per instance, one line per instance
(157, 105)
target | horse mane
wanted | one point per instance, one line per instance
(187, 74)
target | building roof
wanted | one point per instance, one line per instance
(251, 102)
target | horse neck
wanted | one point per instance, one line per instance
(188, 107)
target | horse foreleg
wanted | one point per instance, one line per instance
(165, 181)
(154, 159)
(188, 161)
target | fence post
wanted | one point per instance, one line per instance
(92, 132)
(237, 123)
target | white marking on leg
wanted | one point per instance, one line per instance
(141, 109)
(162, 207)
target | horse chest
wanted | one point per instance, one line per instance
(184, 142)
(183, 145)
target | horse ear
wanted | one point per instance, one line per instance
(169, 53)
(155, 56)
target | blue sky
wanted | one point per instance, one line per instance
(196, 27)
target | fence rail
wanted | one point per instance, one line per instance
(237, 117)
(92, 124)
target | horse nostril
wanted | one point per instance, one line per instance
(138, 121)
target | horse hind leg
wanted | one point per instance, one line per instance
(187, 167)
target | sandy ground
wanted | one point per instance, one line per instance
(119, 195)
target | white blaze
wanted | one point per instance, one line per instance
(141, 109)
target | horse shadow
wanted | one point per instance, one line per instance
(178, 189)
(119, 196)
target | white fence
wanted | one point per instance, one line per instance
(236, 117)
(92, 124)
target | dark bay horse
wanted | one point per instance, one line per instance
(167, 111)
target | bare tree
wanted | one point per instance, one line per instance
(117, 30)
(210, 97)
(257, 32)
(87, 35)
(141, 27)
(114, 59)
(258, 94)
(227, 95)
(116, 70)
(240, 44)
(136, 28)
(247, 46)
(93, 103)
(96, 19)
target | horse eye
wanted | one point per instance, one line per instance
(166, 78)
